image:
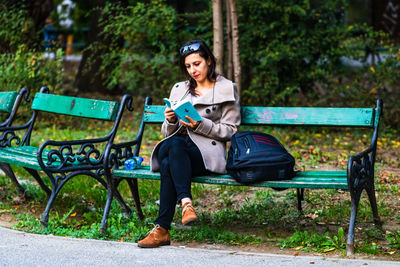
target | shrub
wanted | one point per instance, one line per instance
(30, 69)
(20, 66)
(147, 62)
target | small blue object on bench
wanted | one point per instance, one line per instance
(360, 169)
(64, 160)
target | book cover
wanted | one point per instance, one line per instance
(182, 109)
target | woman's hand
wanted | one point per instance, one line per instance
(192, 123)
(170, 115)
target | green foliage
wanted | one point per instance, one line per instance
(297, 43)
(292, 54)
(338, 241)
(212, 234)
(394, 239)
(14, 24)
(305, 241)
(30, 69)
(147, 62)
(312, 241)
(21, 66)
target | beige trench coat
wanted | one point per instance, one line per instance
(216, 128)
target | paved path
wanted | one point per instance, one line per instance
(23, 249)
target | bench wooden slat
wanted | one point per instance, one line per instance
(309, 179)
(154, 114)
(26, 156)
(19, 159)
(7, 100)
(362, 117)
(76, 106)
(308, 116)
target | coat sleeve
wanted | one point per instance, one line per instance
(227, 125)
(168, 128)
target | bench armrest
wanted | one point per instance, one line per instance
(9, 138)
(360, 169)
(87, 156)
(116, 154)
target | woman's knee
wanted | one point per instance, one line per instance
(164, 166)
(177, 146)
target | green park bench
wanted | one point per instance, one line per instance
(63, 160)
(359, 174)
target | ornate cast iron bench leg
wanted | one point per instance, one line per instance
(300, 198)
(110, 195)
(360, 176)
(37, 177)
(355, 200)
(370, 188)
(9, 172)
(133, 185)
(111, 192)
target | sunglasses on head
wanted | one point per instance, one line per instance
(189, 48)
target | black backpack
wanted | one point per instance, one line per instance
(255, 157)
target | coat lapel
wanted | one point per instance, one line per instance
(223, 92)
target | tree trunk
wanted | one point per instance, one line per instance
(218, 28)
(235, 44)
(229, 63)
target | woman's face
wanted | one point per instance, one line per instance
(197, 67)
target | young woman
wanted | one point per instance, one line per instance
(194, 148)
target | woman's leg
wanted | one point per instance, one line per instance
(180, 160)
(187, 162)
(167, 196)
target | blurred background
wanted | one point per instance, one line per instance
(281, 53)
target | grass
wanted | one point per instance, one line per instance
(228, 215)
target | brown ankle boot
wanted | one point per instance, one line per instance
(188, 214)
(159, 236)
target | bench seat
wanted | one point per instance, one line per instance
(26, 156)
(308, 179)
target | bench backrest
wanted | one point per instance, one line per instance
(7, 100)
(360, 117)
(76, 106)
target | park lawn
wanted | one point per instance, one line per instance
(244, 218)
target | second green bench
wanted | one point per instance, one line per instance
(63, 160)
(360, 169)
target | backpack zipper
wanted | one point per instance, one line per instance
(247, 144)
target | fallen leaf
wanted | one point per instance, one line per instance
(328, 249)
(311, 215)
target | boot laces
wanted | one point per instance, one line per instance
(186, 207)
(155, 228)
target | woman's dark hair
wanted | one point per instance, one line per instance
(205, 52)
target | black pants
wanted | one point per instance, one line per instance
(180, 160)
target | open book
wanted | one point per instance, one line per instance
(182, 109)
